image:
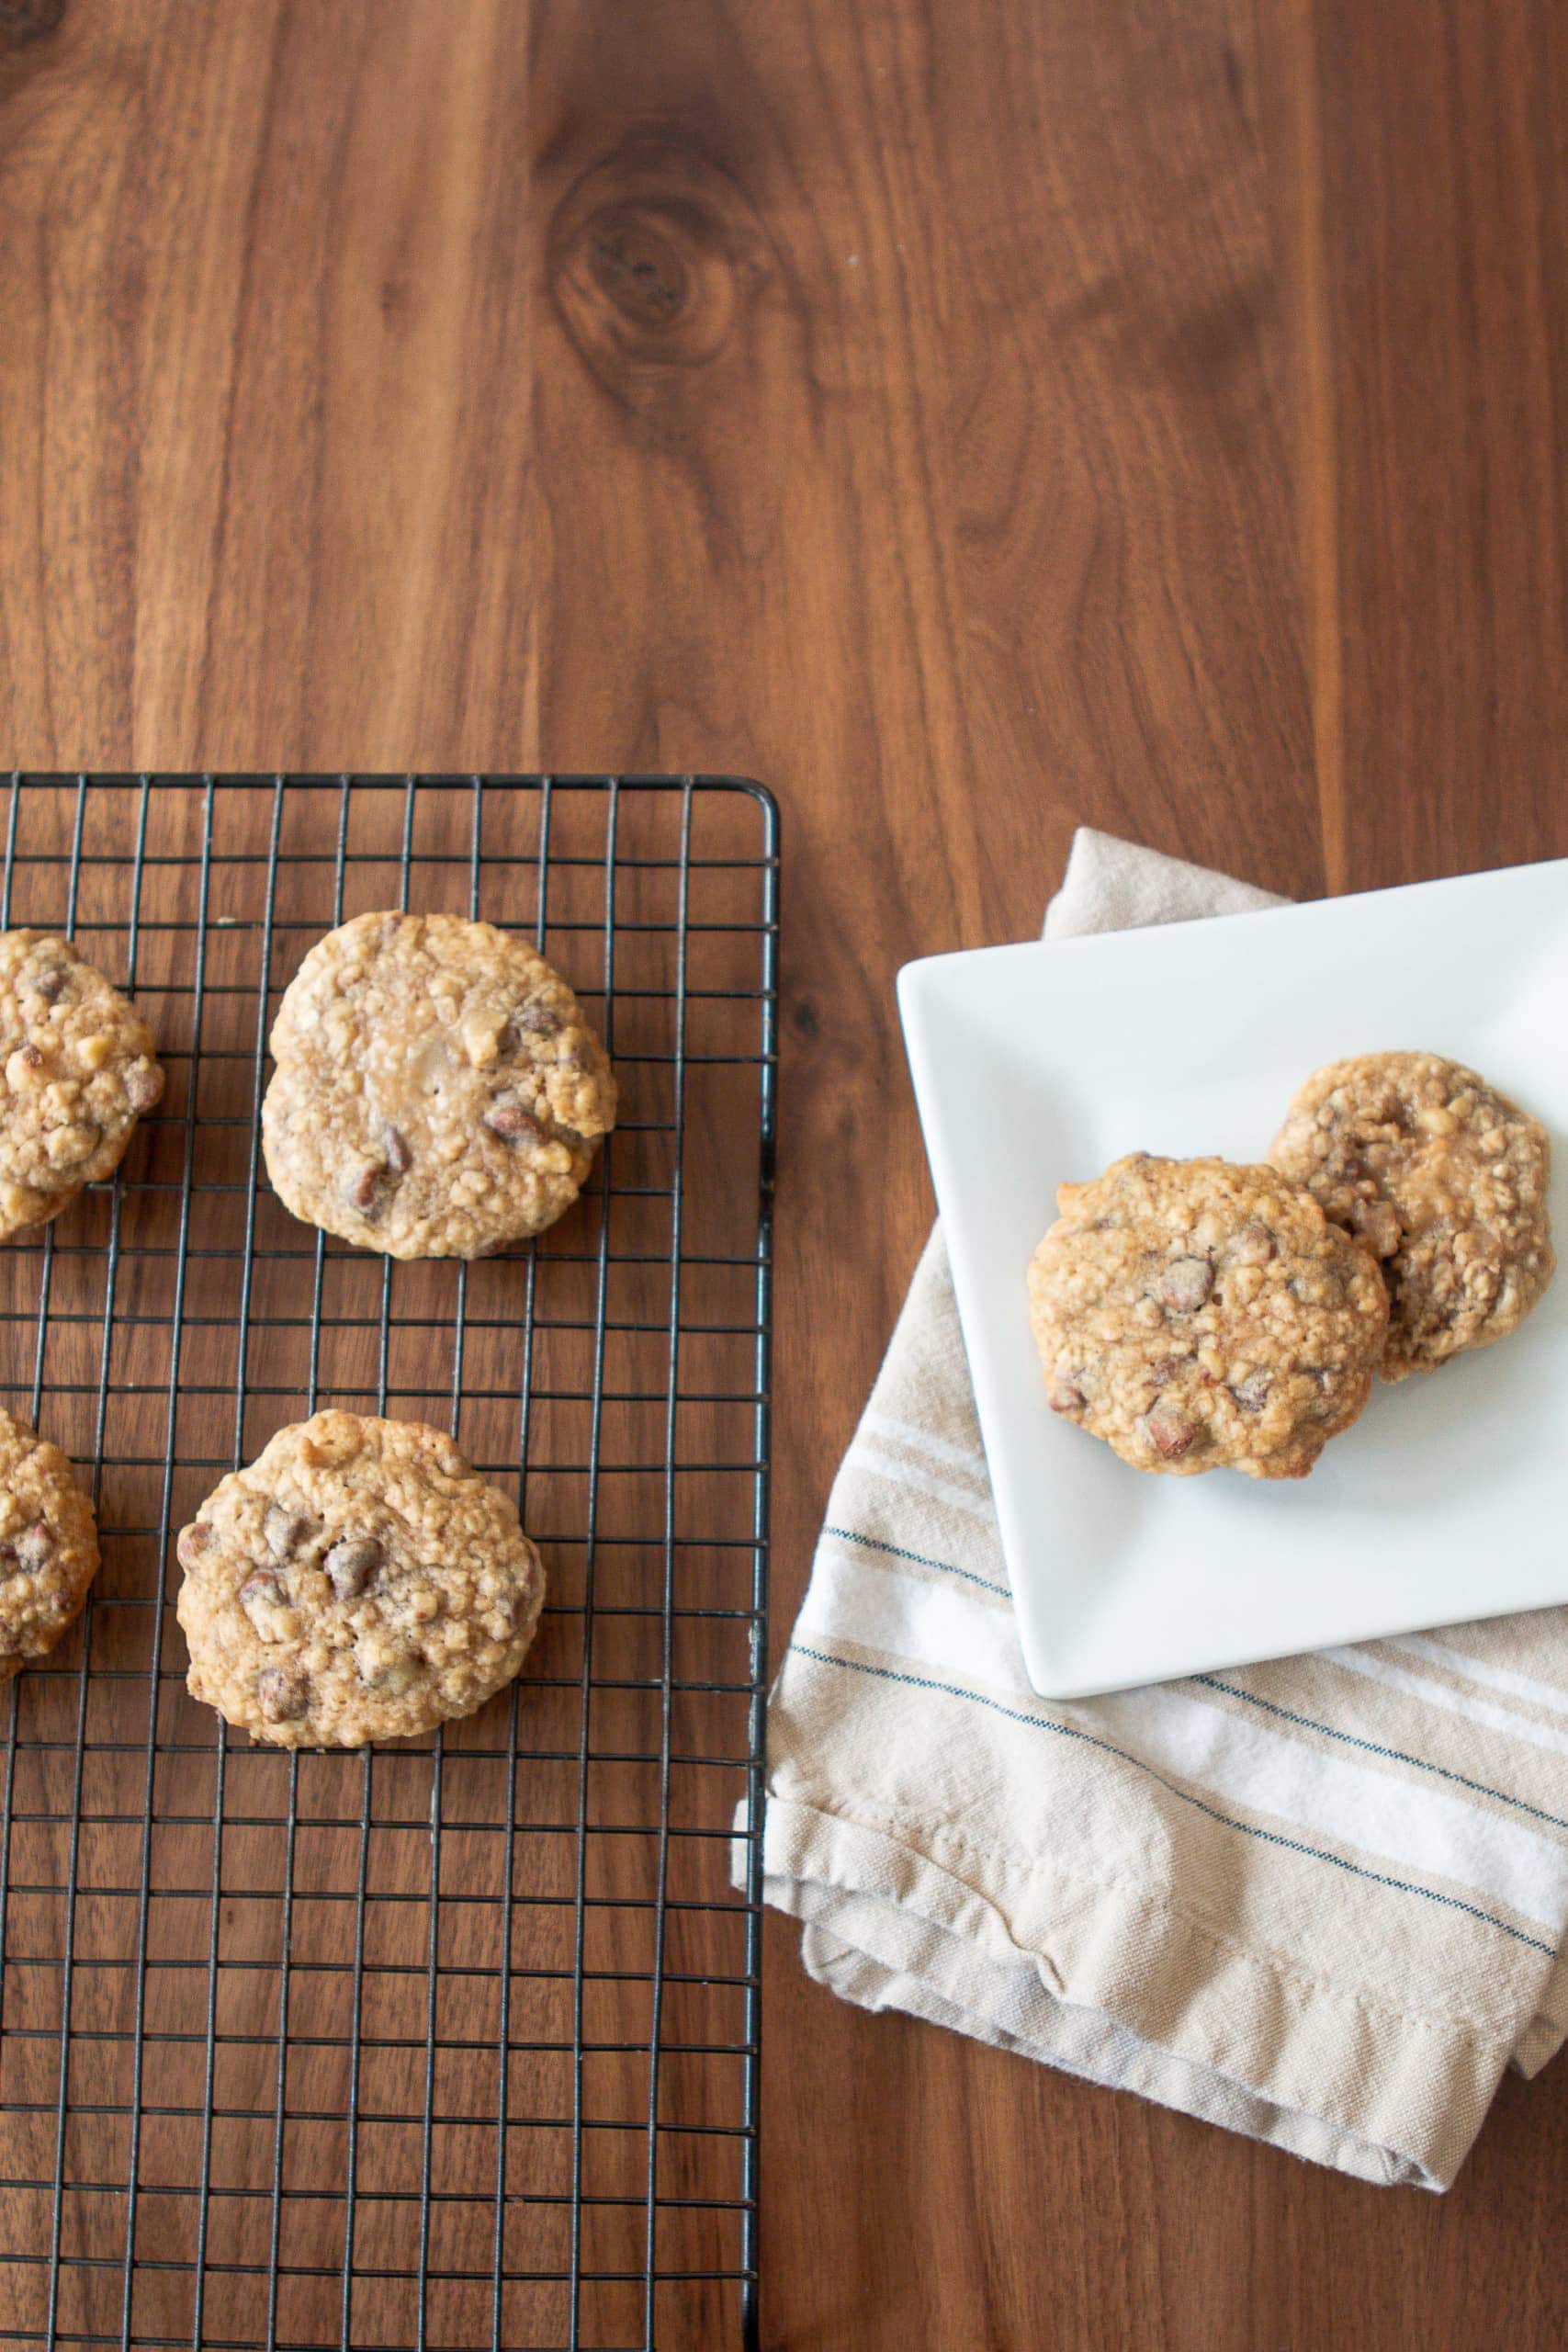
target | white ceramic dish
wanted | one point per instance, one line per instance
(1449, 1498)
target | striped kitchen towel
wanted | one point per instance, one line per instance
(1320, 1901)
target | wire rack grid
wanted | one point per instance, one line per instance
(454, 2041)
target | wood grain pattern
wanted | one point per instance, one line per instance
(974, 421)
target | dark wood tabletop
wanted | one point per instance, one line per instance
(974, 421)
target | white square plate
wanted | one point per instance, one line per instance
(1449, 1498)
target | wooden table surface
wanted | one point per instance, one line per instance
(974, 421)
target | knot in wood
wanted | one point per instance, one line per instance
(24, 17)
(639, 268)
(652, 254)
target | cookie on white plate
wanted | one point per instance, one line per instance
(1445, 1179)
(1197, 1315)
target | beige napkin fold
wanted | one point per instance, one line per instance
(1321, 1901)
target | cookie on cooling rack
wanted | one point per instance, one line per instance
(48, 1545)
(78, 1072)
(439, 1092)
(1196, 1315)
(1445, 1179)
(357, 1582)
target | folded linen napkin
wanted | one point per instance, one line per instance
(1321, 1901)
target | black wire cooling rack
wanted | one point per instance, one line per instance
(455, 2042)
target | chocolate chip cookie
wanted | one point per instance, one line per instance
(358, 1581)
(438, 1093)
(78, 1073)
(48, 1545)
(1442, 1177)
(1195, 1315)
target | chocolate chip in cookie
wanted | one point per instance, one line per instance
(349, 1566)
